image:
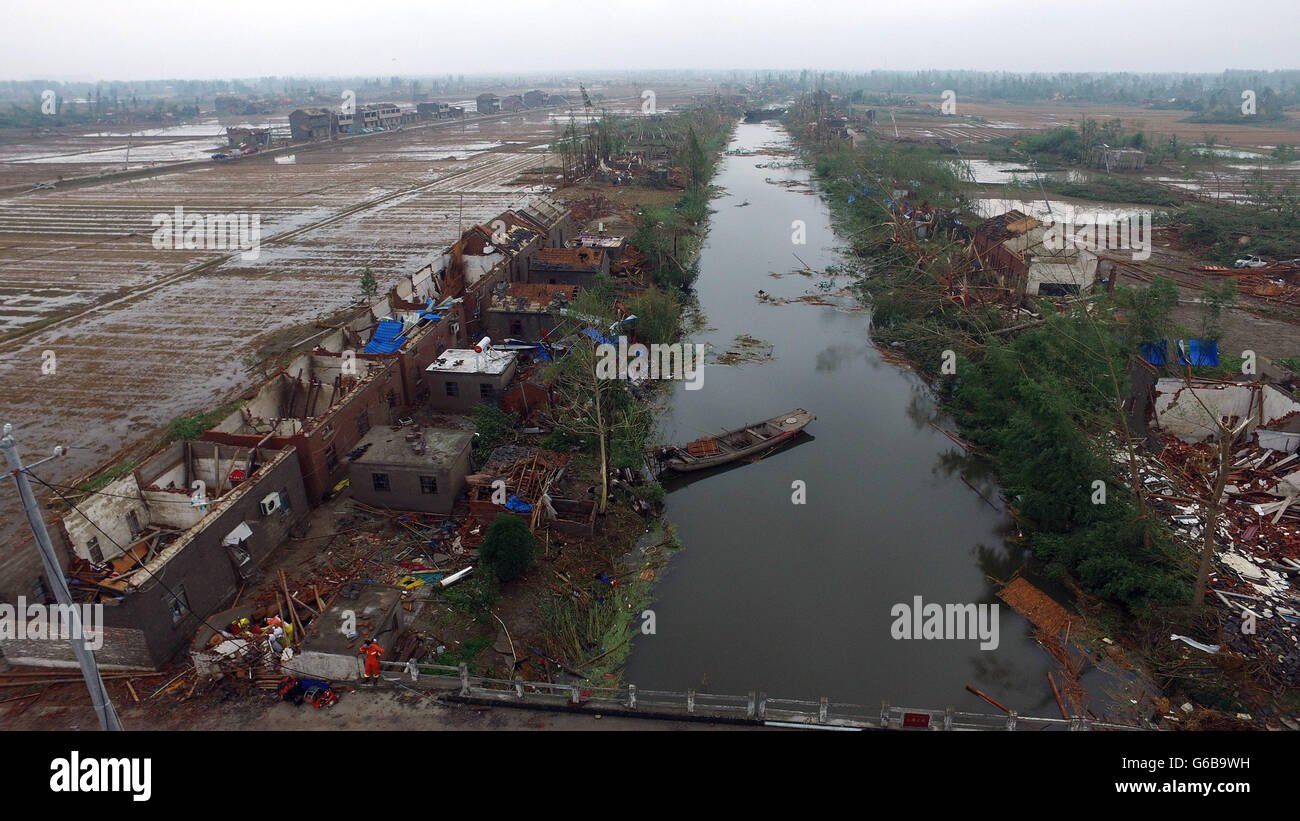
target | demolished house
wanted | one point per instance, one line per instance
(168, 544)
(1011, 247)
(1257, 530)
(568, 266)
(527, 311)
(322, 404)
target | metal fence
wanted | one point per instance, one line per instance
(752, 708)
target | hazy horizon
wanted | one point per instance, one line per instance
(87, 42)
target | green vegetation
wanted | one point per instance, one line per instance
(473, 597)
(115, 472)
(1039, 405)
(189, 428)
(509, 548)
(493, 427)
(369, 285)
(466, 653)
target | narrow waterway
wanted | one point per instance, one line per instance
(795, 599)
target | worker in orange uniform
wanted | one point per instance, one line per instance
(372, 651)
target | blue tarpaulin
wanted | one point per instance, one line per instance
(598, 336)
(1154, 352)
(387, 339)
(1198, 352)
(518, 505)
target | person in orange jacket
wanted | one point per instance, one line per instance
(372, 651)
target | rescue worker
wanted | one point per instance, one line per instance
(372, 651)
(276, 630)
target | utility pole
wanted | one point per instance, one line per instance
(54, 573)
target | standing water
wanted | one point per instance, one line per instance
(795, 599)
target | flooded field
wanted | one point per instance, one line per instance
(139, 336)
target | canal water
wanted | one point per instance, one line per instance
(795, 599)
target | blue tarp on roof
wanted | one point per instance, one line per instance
(1198, 352)
(1154, 352)
(387, 339)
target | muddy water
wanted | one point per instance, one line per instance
(795, 599)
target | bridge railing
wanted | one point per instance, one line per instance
(756, 707)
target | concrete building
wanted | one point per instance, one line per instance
(487, 103)
(410, 469)
(310, 124)
(535, 98)
(568, 266)
(514, 102)
(169, 544)
(462, 378)
(527, 310)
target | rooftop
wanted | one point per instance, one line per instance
(414, 447)
(528, 297)
(578, 258)
(467, 360)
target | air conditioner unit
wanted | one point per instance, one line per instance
(270, 503)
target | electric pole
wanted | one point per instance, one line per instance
(54, 573)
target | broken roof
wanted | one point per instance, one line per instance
(581, 259)
(534, 298)
(1004, 226)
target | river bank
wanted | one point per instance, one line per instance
(1037, 406)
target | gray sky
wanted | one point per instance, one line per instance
(147, 39)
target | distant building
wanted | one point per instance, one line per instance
(512, 103)
(1117, 159)
(488, 103)
(411, 469)
(311, 124)
(240, 137)
(230, 104)
(535, 98)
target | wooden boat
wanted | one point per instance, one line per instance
(712, 451)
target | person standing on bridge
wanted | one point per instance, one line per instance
(372, 652)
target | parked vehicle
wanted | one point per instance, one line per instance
(42, 186)
(220, 157)
(1249, 262)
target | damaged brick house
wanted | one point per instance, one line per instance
(169, 544)
(1010, 247)
(322, 404)
(527, 311)
(568, 266)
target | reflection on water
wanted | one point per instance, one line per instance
(794, 599)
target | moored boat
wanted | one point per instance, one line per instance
(750, 440)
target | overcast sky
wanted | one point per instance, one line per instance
(149, 39)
